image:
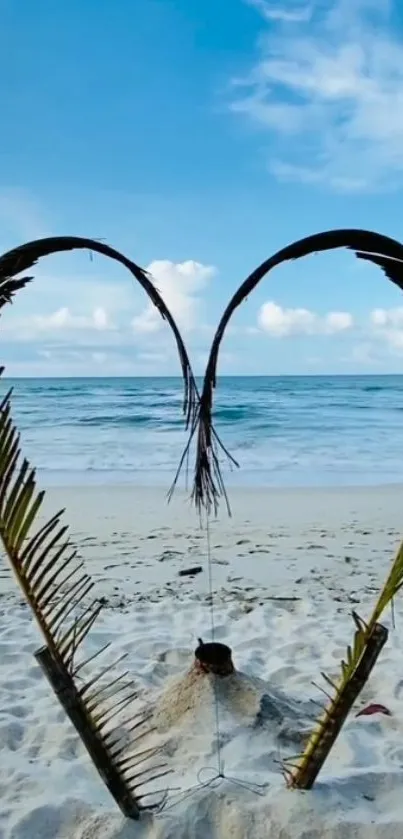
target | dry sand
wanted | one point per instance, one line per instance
(288, 567)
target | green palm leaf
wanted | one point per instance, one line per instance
(330, 721)
(57, 589)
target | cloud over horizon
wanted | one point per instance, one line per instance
(107, 331)
(280, 322)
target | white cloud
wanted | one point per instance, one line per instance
(280, 322)
(332, 88)
(179, 284)
(87, 322)
(76, 307)
(338, 321)
(82, 292)
(61, 322)
(296, 13)
(387, 317)
(387, 325)
(147, 322)
(64, 319)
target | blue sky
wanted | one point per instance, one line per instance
(199, 136)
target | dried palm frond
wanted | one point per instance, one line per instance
(369, 638)
(56, 586)
(208, 483)
(25, 256)
(9, 285)
(57, 590)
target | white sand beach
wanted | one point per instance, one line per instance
(288, 568)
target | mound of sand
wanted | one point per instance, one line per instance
(195, 700)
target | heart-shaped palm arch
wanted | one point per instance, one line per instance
(44, 563)
(56, 585)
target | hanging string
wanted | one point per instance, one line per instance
(213, 633)
(210, 576)
(217, 774)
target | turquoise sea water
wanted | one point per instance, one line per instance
(291, 431)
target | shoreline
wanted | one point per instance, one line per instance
(236, 489)
(307, 545)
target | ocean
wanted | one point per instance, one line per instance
(283, 431)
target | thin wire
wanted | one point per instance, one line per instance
(210, 576)
(213, 783)
(169, 803)
(212, 618)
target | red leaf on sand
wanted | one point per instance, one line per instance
(374, 709)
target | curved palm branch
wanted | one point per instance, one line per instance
(381, 250)
(25, 256)
(57, 587)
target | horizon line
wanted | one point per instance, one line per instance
(201, 375)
